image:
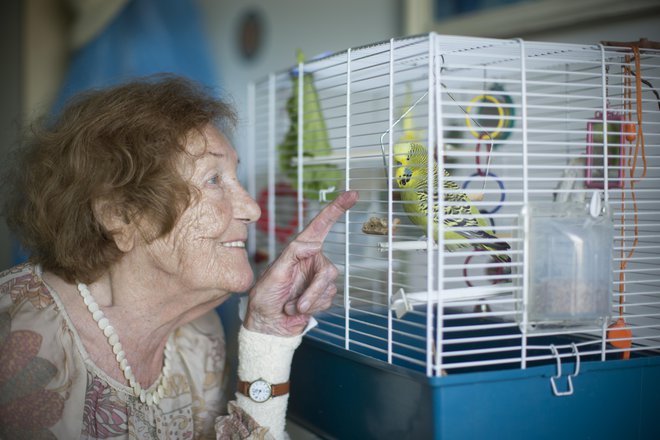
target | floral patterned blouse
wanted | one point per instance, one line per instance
(51, 389)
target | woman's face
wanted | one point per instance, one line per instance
(206, 248)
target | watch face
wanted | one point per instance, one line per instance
(259, 390)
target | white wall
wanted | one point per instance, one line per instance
(315, 26)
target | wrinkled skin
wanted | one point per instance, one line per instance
(198, 253)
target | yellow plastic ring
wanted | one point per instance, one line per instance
(500, 111)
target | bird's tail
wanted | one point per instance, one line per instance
(498, 246)
(502, 247)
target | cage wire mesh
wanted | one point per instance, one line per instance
(544, 239)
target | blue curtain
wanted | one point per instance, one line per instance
(147, 36)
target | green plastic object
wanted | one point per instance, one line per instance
(315, 143)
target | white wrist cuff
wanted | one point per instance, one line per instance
(267, 357)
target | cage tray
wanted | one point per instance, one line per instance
(344, 394)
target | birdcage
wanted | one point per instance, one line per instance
(501, 270)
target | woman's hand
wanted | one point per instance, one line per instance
(301, 281)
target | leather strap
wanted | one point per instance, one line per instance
(278, 389)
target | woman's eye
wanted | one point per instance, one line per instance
(215, 180)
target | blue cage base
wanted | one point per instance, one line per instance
(346, 395)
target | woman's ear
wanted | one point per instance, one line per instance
(115, 221)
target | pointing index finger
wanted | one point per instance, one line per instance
(319, 227)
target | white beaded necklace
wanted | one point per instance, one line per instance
(148, 397)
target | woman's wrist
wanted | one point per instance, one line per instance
(283, 326)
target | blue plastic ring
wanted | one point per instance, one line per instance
(497, 180)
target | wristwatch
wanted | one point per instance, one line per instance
(260, 390)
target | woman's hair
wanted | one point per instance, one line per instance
(121, 145)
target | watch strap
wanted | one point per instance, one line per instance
(278, 389)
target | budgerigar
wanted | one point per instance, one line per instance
(412, 177)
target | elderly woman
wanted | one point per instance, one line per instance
(136, 223)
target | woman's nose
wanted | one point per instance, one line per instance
(246, 208)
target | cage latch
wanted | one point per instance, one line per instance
(323, 193)
(570, 377)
